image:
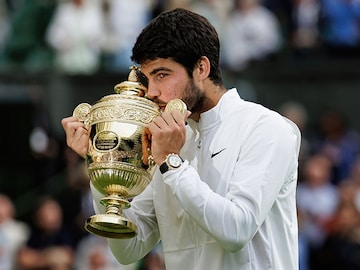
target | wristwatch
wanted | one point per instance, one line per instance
(172, 161)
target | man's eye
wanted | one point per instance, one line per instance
(161, 75)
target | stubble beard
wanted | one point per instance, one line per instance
(193, 97)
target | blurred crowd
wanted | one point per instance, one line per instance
(328, 193)
(85, 36)
(88, 36)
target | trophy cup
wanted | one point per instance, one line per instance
(118, 159)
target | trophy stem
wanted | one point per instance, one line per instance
(112, 209)
(115, 203)
(112, 224)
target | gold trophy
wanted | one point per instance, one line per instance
(118, 159)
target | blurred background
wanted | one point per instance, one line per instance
(298, 57)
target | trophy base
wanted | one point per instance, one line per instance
(111, 226)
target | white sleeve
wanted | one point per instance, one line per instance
(263, 166)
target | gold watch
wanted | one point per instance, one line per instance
(172, 161)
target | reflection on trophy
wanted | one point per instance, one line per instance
(119, 160)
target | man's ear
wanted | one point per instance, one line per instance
(203, 68)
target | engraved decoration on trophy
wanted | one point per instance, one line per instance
(118, 159)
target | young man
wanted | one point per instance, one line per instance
(231, 203)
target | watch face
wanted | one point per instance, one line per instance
(174, 161)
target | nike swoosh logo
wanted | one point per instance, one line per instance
(214, 154)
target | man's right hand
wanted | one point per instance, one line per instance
(77, 136)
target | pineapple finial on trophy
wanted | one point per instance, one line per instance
(134, 74)
(133, 85)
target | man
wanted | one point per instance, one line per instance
(230, 205)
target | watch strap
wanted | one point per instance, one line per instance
(164, 167)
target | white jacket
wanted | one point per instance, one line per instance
(231, 205)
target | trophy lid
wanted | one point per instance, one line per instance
(132, 86)
(128, 103)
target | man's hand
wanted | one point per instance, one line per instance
(168, 135)
(77, 136)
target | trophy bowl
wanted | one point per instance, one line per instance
(118, 159)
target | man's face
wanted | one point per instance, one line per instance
(167, 80)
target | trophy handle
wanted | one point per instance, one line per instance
(82, 112)
(176, 105)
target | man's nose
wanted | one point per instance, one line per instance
(152, 91)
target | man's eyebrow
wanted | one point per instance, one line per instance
(153, 72)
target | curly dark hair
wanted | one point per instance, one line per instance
(182, 36)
